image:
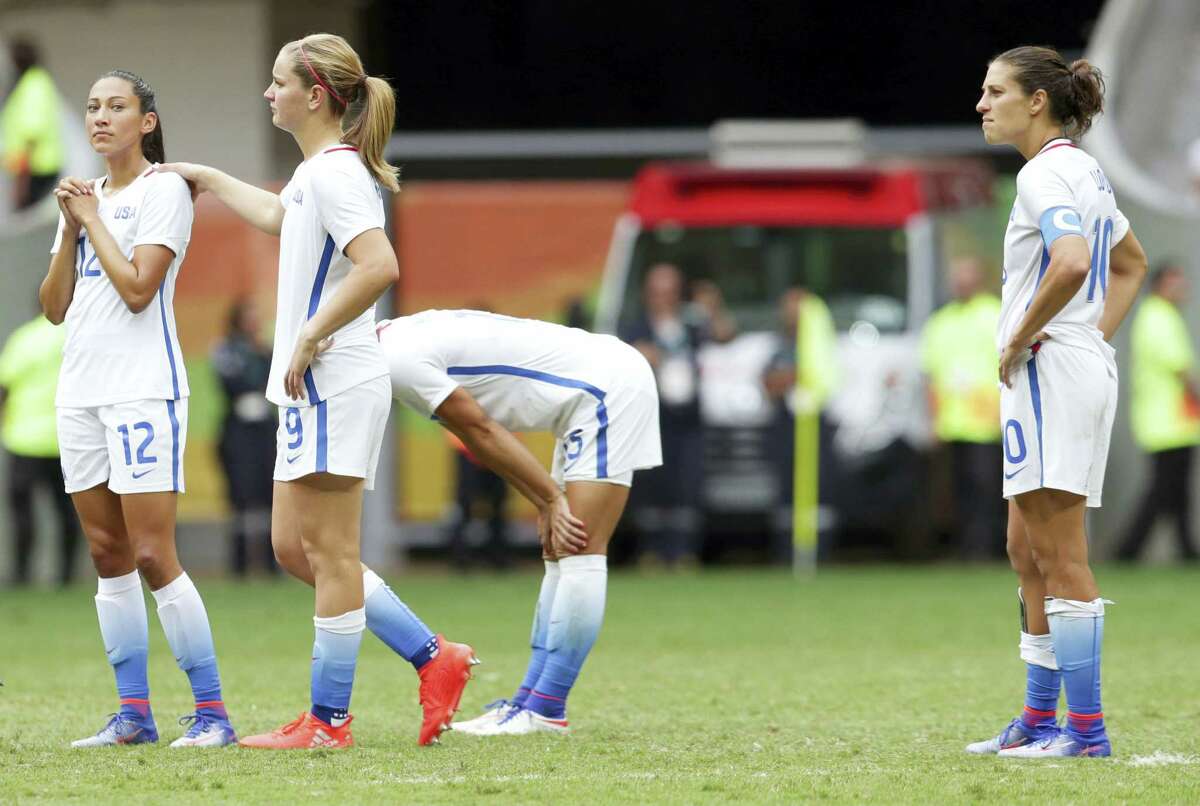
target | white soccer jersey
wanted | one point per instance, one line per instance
(495, 358)
(331, 199)
(1061, 191)
(593, 392)
(113, 355)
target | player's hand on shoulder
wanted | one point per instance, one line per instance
(195, 175)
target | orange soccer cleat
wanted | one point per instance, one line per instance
(442, 682)
(306, 732)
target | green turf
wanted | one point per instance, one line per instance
(860, 686)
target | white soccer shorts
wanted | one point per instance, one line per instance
(1058, 419)
(613, 431)
(137, 447)
(340, 435)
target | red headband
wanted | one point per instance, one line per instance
(317, 78)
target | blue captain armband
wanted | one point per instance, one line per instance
(1057, 222)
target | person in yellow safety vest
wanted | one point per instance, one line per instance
(800, 309)
(958, 357)
(29, 364)
(30, 130)
(1165, 410)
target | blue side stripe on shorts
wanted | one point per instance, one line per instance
(174, 445)
(322, 437)
(1035, 392)
(557, 380)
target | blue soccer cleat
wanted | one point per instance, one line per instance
(122, 729)
(1060, 746)
(1017, 734)
(205, 730)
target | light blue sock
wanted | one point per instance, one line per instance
(395, 624)
(185, 621)
(1078, 631)
(334, 657)
(575, 619)
(537, 634)
(121, 607)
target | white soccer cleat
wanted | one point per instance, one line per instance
(205, 731)
(121, 729)
(1015, 734)
(493, 712)
(521, 721)
(1062, 745)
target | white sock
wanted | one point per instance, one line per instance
(185, 622)
(121, 609)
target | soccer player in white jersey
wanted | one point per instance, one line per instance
(484, 376)
(122, 403)
(1072, 268)
(334, 261)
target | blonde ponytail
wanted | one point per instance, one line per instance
(328, 61)
(370, 131)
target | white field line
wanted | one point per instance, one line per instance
(1160, 759)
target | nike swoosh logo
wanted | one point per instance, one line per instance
(130, 737)
(1015, 472)
(143, 473)
(291, 459)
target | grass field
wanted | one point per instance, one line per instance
(859, 686)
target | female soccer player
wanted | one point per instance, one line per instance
(334, 262)
(122, 403)
(1072, 268)
(482, 376)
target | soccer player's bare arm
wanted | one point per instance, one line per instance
(1070, 262)
(500, 450)
(58, 289)
(136, 281)
(374, 270)
(1069, 265)
(259, 208)
(1127, 271)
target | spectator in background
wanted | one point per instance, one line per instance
(668, 500)
(30, 129)
(575, 314)
(247, 447)
(477, 484)
(958, 356)
(1165, 410)
(29, 365)
(816, 368)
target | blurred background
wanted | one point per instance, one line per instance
(752, 170)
